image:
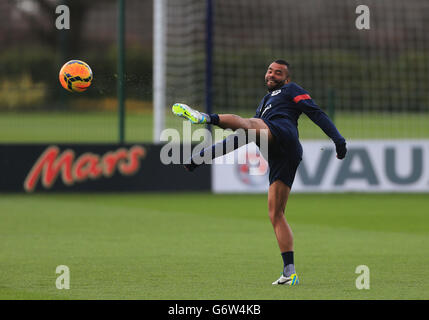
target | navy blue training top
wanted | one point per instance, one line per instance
(289, 102)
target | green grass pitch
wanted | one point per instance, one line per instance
(75, 127)
(207, 246)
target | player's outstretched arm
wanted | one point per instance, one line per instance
(325, 123)
(328, 127)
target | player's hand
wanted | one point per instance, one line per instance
(341, 150)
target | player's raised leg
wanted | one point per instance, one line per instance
(185, 111)
(278, 194)
(224, 121)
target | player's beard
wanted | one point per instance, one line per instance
(277, 84)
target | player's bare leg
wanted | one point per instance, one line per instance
(224, 121)
(278, 194)
(235, 122)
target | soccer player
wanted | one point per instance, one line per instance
(277, 115)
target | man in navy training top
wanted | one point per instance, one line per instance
(277, 116)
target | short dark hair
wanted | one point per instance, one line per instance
(285, 63)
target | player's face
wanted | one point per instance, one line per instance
(276, 76)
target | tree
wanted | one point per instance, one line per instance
(41, 16)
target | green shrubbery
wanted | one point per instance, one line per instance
(359, 81)
(29, 76)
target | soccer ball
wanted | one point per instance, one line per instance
(75, 76)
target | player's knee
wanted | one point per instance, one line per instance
(259, 130)
(275, 214)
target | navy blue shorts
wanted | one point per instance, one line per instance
(285, 152)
